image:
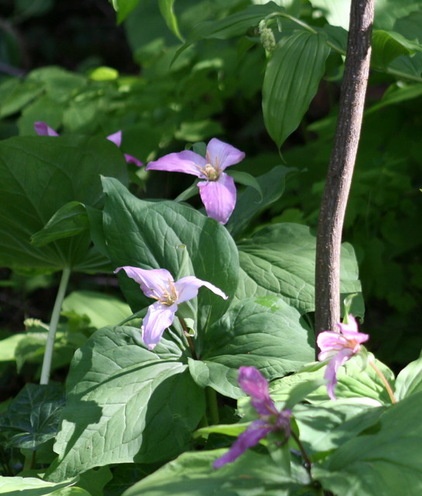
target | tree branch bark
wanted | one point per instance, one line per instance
(342, 162)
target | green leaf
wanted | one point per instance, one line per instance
(68, 221)
(192, 473)
(29, 486)
(125, 404)
(100, 309)
(252, 201)
(354, 381)
(246, 179)
(384, 460)
(16, 94)
(124, 8)
(236, 24)
(387, 12)
(263, 332)
(153, 234)
(280, 260)
(336, 13)
(167, 11)
(291, 80)
(388, 45)
(38, 176)
(409, 380)
(33, 416)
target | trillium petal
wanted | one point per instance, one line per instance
(251, 437)
(116, 138)
(158, 318)
(187, 161)
(187, 288)
(222, 155)
(254, 384)
(331, 371)
(43, 129)
(218, 197)
(153, 282)
(329, 343)
(130, 159)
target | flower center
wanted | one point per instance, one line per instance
(168, 295)
(212, 173)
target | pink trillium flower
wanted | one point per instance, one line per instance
(270, 419)
(339, 347)
(43, 129)
(216, 188)
(160, 285)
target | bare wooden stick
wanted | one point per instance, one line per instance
(340, 170)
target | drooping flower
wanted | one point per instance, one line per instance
(160, 285)
(43, 129)
(270, 419)
(216, 188)
(339, 347)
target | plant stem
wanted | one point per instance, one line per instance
(307, 462)
(48, 355)
(212, 405)
(340, 170)
(384, 381)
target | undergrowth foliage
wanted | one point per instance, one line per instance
(194, 371)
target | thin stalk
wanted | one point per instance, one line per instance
(212, 405)
(48, 355)
(340, 170)
(306, 461)
(384, 381)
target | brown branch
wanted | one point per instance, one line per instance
(342, 161)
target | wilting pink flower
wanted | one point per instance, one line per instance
(270, 419)
(339, 347)
(43, 129)
(217, 189)
(160, 285)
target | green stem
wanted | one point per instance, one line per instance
(384, 381)
(48, 355)
(212, 405)
(306, 461)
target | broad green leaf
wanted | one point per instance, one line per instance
(192, 473)
(354, 381)
(125, 404)
(250, 202)
(411, 25)
(33, 416)
(69, 220)
(100, 309)
(409, 380)
(387, 12)
(263, 332)
(156, 235)
(396, 93)
(8, 347)
(29, 486)
(59, 84)
(236, 24)
(280, 260)
(38, 176)
(291, 80)
(384, 459)
(336, 13)
(388, 45)
(16, 94)
(124, 8)
(167, 11)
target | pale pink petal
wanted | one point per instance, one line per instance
(187, 288)
(222, 155)
(153, 282)
(218, 197)
(158, 318)
(329, 343)
(187, 161)
(43, 129)
(331, 371)
(251, 437)
(116, 138)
